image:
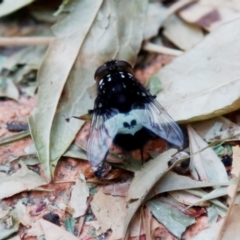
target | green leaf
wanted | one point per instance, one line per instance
(92, 232)
(70, 224)
(175, 221)
(154, 85)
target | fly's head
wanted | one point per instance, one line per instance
(112, 66)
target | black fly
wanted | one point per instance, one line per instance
(125, 114)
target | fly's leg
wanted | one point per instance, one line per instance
(103, 168)
(141, 151)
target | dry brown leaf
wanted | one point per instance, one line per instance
(172, 181)
(79, 195)
(236, 172)
(96, 226)
(136, 228)
(143, 182)
(225, 129)
(110, 212)
(118, 189)
(22, 214)
(232, 229)
(204, 82)
(201, 224)
(53, 232)
(209, 233)
(182, 34)
(35, 230)
(24, 179)
(236, 161)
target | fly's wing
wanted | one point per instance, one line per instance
(153, 116)
(102, 132)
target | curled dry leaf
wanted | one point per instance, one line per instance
(205, 165)
(90, 34)
(218, 192)
(187, 198)
(172, 182)
(204, 82)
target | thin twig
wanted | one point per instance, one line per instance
(82, 218)
(178, 5)
(160, 49)
(25, 41)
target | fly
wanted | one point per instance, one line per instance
(126, 114)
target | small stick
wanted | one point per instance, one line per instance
(160, 49)
(25, 41)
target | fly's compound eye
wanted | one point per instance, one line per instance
(100, 72)
(112, 66)
(123, 64)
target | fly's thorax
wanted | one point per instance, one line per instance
(117, 91)
(115, 82)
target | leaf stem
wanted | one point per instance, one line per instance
(151, 47)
